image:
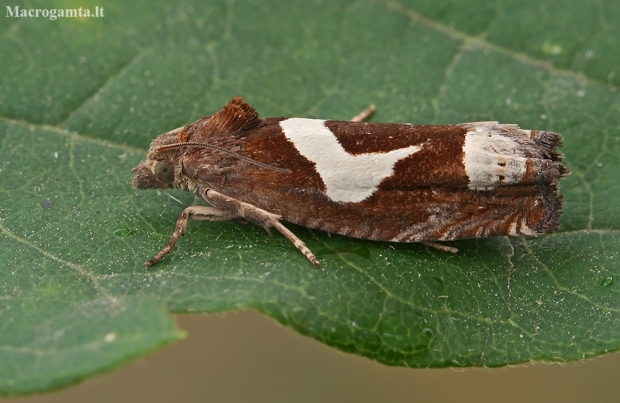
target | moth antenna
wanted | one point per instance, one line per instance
(231, 153)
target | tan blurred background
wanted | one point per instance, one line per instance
(247, 357)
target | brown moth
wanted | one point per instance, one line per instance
(379, 181)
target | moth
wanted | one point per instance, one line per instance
(379, 181)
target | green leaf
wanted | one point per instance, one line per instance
(81, 98)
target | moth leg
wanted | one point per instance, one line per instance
(259, 216)
(363, 115)
(439, 246)
(197, 213)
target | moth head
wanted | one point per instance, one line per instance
(163, 168)
(154, 174)
(159, 171)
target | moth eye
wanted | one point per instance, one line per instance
(164, 172)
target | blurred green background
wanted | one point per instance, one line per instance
(246, 357)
